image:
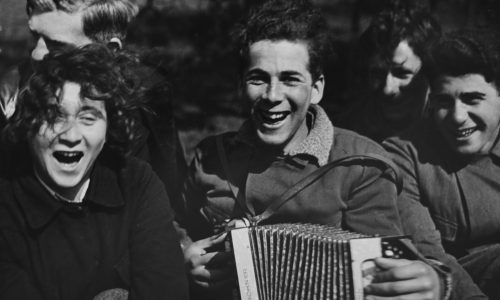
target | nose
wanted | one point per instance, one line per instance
(274, 92)
(70, 134)
(459, 112)
(391, 87)
(40, 50)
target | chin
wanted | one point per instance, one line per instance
(66, 182)
(271, 139)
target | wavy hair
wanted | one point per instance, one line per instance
(471, 51)
(399, 21)
(103, 74)
(102, 19)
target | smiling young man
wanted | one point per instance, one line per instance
(451, 163)
(282, 47)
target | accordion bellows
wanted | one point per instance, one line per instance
(307, 261)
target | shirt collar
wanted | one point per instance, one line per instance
(317, 144)
(496, 148)
(39, 205)
(79, 196)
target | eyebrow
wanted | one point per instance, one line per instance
(283, 73)
(292, 73)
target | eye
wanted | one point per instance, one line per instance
(88, 118)
(472, 98)
(54, 45)
(291, 80)
(255, 79)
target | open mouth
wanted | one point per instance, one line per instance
(68, 157)
(272, 118)
(463, 133)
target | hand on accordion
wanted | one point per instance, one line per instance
(403, 279)
(208, 264)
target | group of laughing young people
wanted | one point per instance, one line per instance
(97, 202)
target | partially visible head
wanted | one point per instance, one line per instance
(76, 104)
(282, 46)
(391, 56)
(78, 22)
(464, 74)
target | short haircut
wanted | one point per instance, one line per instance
(103, 74)
(102, 19)
(292, 20)
(467, 52)
(399, 21)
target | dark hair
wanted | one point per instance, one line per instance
(399, 21)
(104, 75)
(293, 20)
(468, 52)
(102, 19)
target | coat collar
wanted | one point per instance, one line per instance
(40, 207)
(317, 144)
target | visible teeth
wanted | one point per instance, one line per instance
(69, 154)
(270, 117)
(465, 132)
(277, 116)
(68, 157)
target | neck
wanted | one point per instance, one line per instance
(73, 194)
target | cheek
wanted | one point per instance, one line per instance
(439, 116)
(300, 98)
(253, 93)
(97, 136)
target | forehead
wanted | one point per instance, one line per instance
(280, 55)
(463, 84)
(59, 26)
(405, 57)
(71, 99)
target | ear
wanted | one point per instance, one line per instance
(115, 43)
(317, 89)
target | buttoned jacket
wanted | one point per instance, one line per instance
(121, 236)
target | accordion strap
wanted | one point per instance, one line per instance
(303, 183)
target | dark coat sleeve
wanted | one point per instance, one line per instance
(373, 194)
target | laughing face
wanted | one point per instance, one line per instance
(66, 151)
(280, 89)
(467, 112)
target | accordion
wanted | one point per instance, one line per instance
(306, 261)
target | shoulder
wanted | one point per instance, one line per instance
(135, 171)
(416, 143)
(130, 175)
(347, 142)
